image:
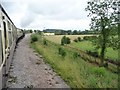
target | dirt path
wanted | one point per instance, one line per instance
(28, 70)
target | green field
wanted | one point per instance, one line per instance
(75, 71)
(84, 45)
(87, 45)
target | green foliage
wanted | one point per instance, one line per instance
(88, 46)
(35, 31)
(86, 38)
(65, 40)
(114, 43)
(40, 32)
(31, 31)
(34, 38)
(102, 20)
(76, 55)
(75, 32)
(45, 42)
(75, 40)
(77, 73)
(79, 39)
(92, 82)
(62, 52)
(99, 71)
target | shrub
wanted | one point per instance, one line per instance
(65, 40)
(61, 52)
(92, 53)
(75, 55)
(34, 38)
(44, 42)
(75, 40)
(79, 39)
(86, 38)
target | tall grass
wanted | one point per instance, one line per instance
(75, 71)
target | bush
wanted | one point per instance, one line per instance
(75, 55)
(86, 38)
(44, 42)
(93, 53)
(34, 38)
(79, 39)
(75, 40)
(61, 52)
(65, 40)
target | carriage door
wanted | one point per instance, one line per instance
(4, 66)
(1, 59)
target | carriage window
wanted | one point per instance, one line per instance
(5, 34)
(13, 32)
(0, 48)
(9, 25)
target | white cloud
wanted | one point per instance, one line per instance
(36, 14)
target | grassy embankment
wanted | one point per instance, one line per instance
(75, 71)
(84, 45)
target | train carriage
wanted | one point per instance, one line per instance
(9, 35)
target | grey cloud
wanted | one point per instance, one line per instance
(9, 6)
(60, 10)
(27, 19)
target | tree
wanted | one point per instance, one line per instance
(35, 31)
(102, 13)
(69, 32)
(31, 31)
(75, 32)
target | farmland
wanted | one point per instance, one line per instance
(74, 70)
(83, 45)
(57, 38)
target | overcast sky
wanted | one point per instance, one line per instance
(55, 14)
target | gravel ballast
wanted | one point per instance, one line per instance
(28, 70)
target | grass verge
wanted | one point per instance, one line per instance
(75, 71)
